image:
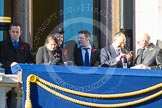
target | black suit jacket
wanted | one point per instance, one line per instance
(95, 57)
(9, 54)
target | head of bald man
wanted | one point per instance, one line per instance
(144, 40)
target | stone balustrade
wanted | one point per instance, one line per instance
(8, 82)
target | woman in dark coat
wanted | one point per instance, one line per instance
(48, 54)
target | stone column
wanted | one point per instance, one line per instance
(22, 14)
(115, 16)
(2, 97)
(104, 26)
(19, 97)
(110, 18)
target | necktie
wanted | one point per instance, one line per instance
(122, 60)
(16, 44)
(144, 52)
(86, 60)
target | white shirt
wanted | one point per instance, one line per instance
(84, 51)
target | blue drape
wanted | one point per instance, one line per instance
(93, 80)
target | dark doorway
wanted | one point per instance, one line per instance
(45, 18)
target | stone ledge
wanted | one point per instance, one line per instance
(8, 82)
(11, 79)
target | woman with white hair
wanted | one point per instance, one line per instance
(149, 56)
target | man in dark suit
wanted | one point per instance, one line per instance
(149, 55)
(112, 55)
(14, 49)
(86, 55)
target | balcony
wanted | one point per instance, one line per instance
(7, 83)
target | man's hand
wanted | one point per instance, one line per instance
(129, 57)
(120, 56)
